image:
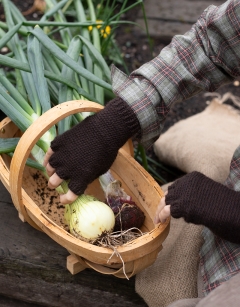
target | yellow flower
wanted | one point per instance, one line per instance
(104, 31)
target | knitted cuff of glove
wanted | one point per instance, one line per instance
(117, 122)
(123, 120)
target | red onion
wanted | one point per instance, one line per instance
(127, 213)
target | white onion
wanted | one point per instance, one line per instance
(88, 218)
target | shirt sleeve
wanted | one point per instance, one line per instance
(202, 59)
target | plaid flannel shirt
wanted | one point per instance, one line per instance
(203, 59)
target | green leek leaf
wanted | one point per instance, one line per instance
(31, 163)
(36, 64)
(6, 61)
(8, 144)
(15, 94)
(46, 41)
(98, 58)
(9, 35)
(66, 93)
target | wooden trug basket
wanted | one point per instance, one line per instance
(39, 206)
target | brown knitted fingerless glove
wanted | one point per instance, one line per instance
(88, 150)
(200, 200)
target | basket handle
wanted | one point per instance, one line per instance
(33, 134)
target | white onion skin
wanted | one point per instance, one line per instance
(89, 220)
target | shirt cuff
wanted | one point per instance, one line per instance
(132, 92)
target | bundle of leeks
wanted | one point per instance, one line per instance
(45, 72)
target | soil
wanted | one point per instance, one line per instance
(136, 51)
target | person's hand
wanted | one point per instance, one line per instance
(83, 153)
(163, 212)
(54, 180)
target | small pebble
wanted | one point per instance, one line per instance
(4, 49)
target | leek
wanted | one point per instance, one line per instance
(45, 72)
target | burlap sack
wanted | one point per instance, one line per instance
(173, 276)
(204, 142)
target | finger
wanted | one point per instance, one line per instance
(47, 156)
(159, 209)
(54, 181)
(50, 170)
(164, 214)
(68, 198)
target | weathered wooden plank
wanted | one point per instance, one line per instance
(169, 18)
(9, 302)
(33, 269)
